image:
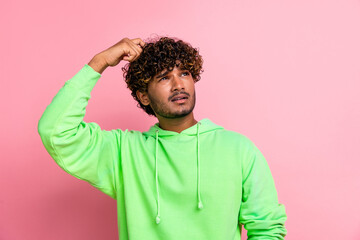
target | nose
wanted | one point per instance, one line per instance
(177, 83)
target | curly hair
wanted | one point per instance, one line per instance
(159, 54)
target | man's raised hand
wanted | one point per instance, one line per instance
(126, 49)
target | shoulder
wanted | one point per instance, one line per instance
(124, 133)
(235, 136)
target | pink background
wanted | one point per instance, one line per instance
(284, 73)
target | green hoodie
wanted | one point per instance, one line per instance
(202, 183)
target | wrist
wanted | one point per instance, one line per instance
(98, 63)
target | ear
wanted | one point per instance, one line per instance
(143, 97)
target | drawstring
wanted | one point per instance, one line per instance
(156, 180)
(200, 204)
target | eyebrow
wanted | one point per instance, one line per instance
(163, 74)
(167, 71)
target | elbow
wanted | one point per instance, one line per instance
(45, 127)
(41, 127)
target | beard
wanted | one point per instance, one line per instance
(172, 110)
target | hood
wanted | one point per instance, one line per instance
(206, 126)
(203, 126)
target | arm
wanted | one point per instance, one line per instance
(83, 149)
(261, 214)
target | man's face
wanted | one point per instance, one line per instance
(165, 87)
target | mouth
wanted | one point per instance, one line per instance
(180, 98)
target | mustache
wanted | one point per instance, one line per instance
(178, 93)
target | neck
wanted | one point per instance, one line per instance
(177, 124)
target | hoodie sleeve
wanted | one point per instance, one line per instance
(81, 149)
(260, 213)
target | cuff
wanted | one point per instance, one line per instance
(85, 79)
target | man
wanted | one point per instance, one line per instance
(182, 179)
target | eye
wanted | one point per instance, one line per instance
(163, 78)
(186, 73)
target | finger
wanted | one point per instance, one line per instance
(131, 45)
(129, 59)
(138, 41)
(137, 48)
(127, 53)
(131, 55)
